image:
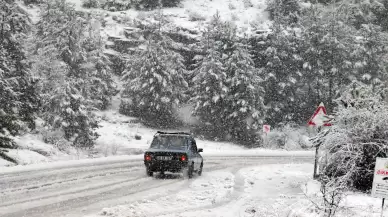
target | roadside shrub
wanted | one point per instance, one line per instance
(116, 5)
(289, 137)
(247, 4)
(32, 2)
(90, 4)
(232, 6)
(195, 16)
(359, 134)
(152, 4)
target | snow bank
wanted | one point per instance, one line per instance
(24, 157)
(4, 163)
(69, 163)
(258, 153)
(34, 142)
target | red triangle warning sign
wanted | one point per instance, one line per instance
(320, 117)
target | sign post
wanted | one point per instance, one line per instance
(319, 119)
(266, 130)
(380, 181)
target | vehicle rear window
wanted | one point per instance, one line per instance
(169, 142)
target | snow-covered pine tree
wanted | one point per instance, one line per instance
(62, 37)
(80, 46)
(65, 110)
(327, 54)
(155, 81)
(285, 98)
(210, 79)
(245, 101)
(371, 55)
(18, 100)
(286, 10)
(380, 11)
(210, 90)
(101, 86)
(228, 95)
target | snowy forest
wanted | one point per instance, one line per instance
(59, 69)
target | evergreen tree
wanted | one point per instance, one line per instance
(285, 10)
(65, 110)
(101, 86)
(19, 100)
(155, 81)
(210, 79)
(227, 90)
(66, 37)
(246, 96)
(211, 89)
(327, 55)
(285, 98)
(371, 54)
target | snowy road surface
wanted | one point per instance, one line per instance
(86, 188)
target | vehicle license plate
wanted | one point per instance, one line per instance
(164, 157)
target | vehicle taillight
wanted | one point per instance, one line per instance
(147, 157)
(183, 158)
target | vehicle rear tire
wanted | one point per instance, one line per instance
(149, 173)
(200, 169)
(190, 171)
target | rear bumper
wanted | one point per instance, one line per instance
(170, 166)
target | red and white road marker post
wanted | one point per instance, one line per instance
(266, 130)
(319, 119)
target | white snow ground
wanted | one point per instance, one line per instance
(84, 187)
(265, 191)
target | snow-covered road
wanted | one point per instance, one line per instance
(86, 187)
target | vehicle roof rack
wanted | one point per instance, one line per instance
(177, 133)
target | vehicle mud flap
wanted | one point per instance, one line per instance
(188, 172)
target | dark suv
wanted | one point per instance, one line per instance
(173, 152)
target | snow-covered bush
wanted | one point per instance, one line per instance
(333, 191)
(247, 3)
(359, 134)
(116, 5)
(287, 137)
(29, 2)
(90, 3)
(231, 6)
(152, 4)
(195, 16)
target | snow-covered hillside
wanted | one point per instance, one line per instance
(192, 14)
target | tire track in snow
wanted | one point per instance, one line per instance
(238, 188)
